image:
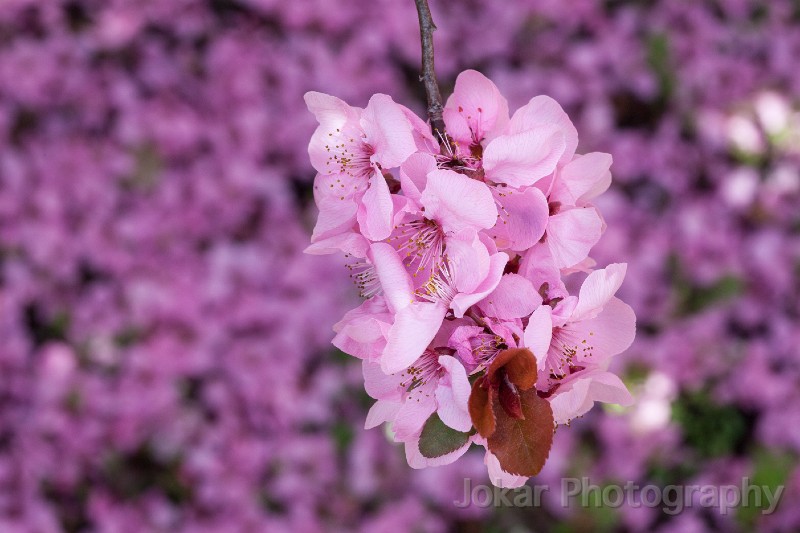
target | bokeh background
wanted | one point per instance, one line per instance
(164, 344)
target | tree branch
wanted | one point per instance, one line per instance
(428, 77)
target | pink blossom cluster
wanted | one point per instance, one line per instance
(461, 255)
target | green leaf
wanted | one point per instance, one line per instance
(438, 439)
(342, 436)
(770, 471)
(712, 429)
(693, 298)
(659, 58)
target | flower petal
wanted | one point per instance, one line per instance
(609, 388)
(376, 210)
(335, 217)
(414, 174)
(458, 202)
(539, 334)
(413, 329)
(362, 331)
(330, 111)
(523, 217)
(582, 179)
(380, 385)
(543, 110)
(423, 137)
(611, 332)
(597, 289)
(462, 301)
(468, 260)
(452, 395)
(412, 416)
(395, 281)
(475, 108)
(571, 402)
(571, 235)
(388, 131)
(514, 297)
(523, 158)
(539, 267)
(499, 477)
(460, 341)
(380, 412)
(595, 386)
(350, 243)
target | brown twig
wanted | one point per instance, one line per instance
(478, 320)
(428, 77)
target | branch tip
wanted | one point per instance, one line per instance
(428, 77)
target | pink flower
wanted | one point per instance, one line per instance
(575, 226)
(539, 137)
(516, 152)
(466, 275)
(442, 204)
(349, 149)
(575, 340)
(362, 331)
(432, 384)
(477, 346)
(475, 111)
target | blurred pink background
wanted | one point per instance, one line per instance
(165, 362)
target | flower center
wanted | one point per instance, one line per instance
(424, 369)
(485, 347)
(440, 287)
(422, 241)
(349, 156)
(365, 278)
(565, 351)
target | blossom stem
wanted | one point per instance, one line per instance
(428, 77)
(478, 320)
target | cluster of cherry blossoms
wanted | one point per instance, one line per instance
(464, 248)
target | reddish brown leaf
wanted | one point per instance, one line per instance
(522, 445)
(481, 410)
(521, 369)
(499, 361)
(519, 363)
(509, 398)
